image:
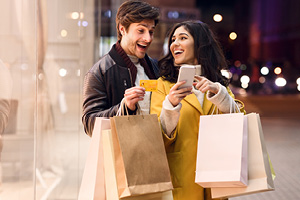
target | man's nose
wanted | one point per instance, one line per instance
(148, 37)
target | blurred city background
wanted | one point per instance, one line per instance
(47, 46)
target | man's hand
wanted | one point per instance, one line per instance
(133, 95)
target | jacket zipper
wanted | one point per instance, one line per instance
(130, 77)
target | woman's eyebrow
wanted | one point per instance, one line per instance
(181, 34)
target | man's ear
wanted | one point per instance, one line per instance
(121, 29)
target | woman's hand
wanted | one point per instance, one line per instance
(205, 85)
(176, 95)
(133, 95)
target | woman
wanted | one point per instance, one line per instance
(179, 110)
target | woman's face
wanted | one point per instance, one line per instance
(182, 47)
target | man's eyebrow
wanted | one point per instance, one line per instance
(145, 25)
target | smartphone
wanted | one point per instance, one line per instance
(186, 73)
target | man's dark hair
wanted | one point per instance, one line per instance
(134, 11)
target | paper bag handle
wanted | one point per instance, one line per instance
(121, 111)
(231, 110)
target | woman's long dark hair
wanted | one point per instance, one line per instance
(207, 51)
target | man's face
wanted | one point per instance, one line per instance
(137, 39)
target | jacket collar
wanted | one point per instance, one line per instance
(120, 61)
(116, 57)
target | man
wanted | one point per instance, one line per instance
(116, 75)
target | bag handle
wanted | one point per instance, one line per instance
(121, 111)
(231, 110)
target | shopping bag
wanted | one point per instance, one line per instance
(222, 151)
(140, 157)
(110, 175)
(260, 170)
(92, 184)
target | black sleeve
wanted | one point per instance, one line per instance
(95, 101)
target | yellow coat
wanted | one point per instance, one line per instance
(182, 147)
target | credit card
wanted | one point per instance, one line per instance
(149, 85)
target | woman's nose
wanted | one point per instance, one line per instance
(176, 42)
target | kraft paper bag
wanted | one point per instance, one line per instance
(260, 170)
(92, 184)
(222, 151)
(140, 156)
(110, 175)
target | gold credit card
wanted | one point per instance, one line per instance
(149, 85)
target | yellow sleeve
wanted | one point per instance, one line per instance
(157, 98)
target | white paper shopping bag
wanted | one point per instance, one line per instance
(260, 171)
(92, 184)
(222, 151)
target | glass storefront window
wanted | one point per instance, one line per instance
(46, 47)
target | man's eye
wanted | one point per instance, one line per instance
(141, 31)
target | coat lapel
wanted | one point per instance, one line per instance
(204, 109)
(192, 99)
(207, 106)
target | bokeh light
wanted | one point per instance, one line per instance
(264, 70)
(277, 70)
(262, 79)
(62, 72)
(280, 82)
(245, 79)
(218, 18)
(74, 15)
(232, 35)
(63, 33)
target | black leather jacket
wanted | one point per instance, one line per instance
(104, 87)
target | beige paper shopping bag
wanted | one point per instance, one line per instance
(260, 175)
(92, 184)
(110, 175)
(222, 151)
(141, 161)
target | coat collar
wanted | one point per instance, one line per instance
(204, 109)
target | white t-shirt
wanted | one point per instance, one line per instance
(141, 75)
